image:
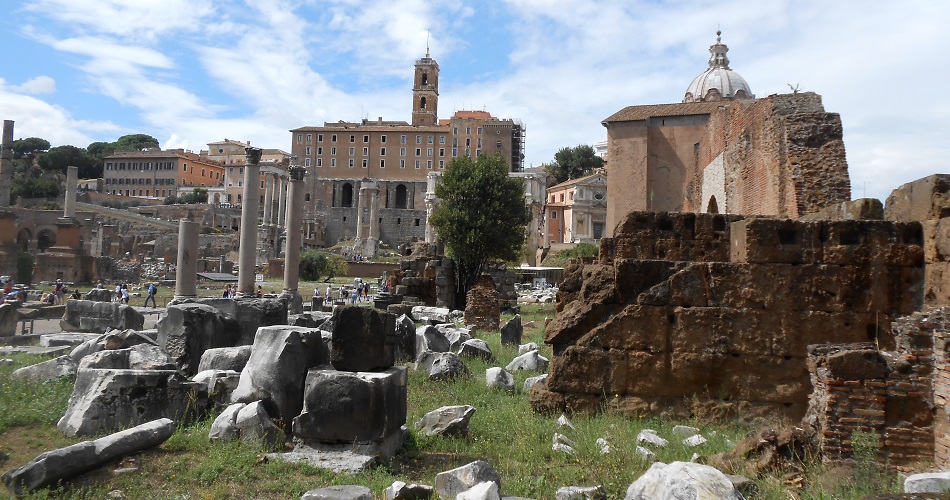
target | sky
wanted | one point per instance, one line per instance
(190, 72)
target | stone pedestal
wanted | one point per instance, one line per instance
(367, 226)
(247, 255)
(186, 275)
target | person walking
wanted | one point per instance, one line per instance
(117, 296)
(59, 291)
(125, 293)
(328, 301)
(152, 289)
(315, 299)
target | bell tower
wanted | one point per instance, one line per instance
(425, 92)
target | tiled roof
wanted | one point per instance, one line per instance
(579, 180)
(636, 113)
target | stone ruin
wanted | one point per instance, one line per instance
(712, 314)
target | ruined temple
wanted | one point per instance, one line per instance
(722, 150)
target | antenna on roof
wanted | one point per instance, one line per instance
(794, 89)
(427, 43)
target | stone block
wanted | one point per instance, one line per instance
(187, 330)
(250, 313)
(225, 358)
(722, 330)
(62, 366)
(922, 199)
(363, 339)
(347, 407)
(8, 319)
(784, 241)
(99, 317)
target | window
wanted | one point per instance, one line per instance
(305, 198)
(455, 130)
(441, 164)
(319, 150)
(422, 103)
(402, 196)
(478, 152)
(319, 137)
(184, 168)
(309, 137)
(202, 172)
(402, 151)
(553, 214)
(382, 163)
(365, 139)
(332, 162)
(346, 196)
(352, 138)
(468, 130)
(352, 151)
(479, 131)
(468, 142)
(402, 139)
(333, 138)
(430, 139)
(455, 142)
(365, 151)
(306, 162)
(441, 139)
(479, 142)
(402, 163)
(418, 151)
(441, 151)
(418, 139)
(455, 152)
(319, 162)
(382, 151)
(429, 152)
(365, 163)
(418, 164)
(352, 163)
(429, 164)
(309, 151)
(299, 138)
(333, 150)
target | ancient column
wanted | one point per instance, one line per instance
(268, 197)
(186, 275)
(220, 263)
(72, 183)
(6, 164)
(431, 201)
(247, 253)
(282, 204)
(292, 254)
(372, 239)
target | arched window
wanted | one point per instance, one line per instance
(425, 78)
(422, 103)
(306, 197)
(402, 196)
(346, 196)
(712, 207)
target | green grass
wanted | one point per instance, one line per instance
(504, 431)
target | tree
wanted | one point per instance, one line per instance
(573, 163)
(481, 216)
(135, 142)
(30, 147)
(314, 264)
(60, 157)
(34, 187)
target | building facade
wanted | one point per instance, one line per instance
(723, 150)
(231, 154)
(367, 180)
(158, 173)
(576, 210)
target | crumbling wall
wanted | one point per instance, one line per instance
(689, 313)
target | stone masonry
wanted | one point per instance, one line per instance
(712, 314)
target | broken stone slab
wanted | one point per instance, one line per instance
(530, 346)
(219, 384)
(253, 424)
(63, 366)
(563, 448)
(446, 421)
(476, 348)
(650, 436)
(277, 368)
(310, 319)
(99, 295)
(405, 346)
(561, 438)
(530, 381)
(250, 314)
(682, 480)
(430, 315)
(69, 339)
(108, 400)
(187, 330)
(99, 317)
(399, 490)
(348, 407)
(581, 493)
(646, 453)
(8, 319)
(487, 490)
(450, 483)
(603, 446)
(441, 365)
(456, 336)
(53, 466)
(429, 338)
(138, 357)
(349, 458)
(225, 358)
(86, 348)
(40, 351)
(224, 427)
(563, 421)
(685, 431)
(929, 482)
(512, 331)
(498, 378)
(339, 492)
(531, 361)
(362, 339)
(694, 441)
(116, 359)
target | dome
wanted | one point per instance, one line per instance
(718, 81)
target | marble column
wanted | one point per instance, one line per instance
(186, 275)
(268, 197)
(247, 253)
(292, 254)
(431, 200)
(6, 163)
(282, 195)
(72, 183)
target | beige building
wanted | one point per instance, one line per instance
(231, 154)
(157, 173)
(722, 150)
(367, 180)
(576, 210)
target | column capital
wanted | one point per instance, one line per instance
(252, 156)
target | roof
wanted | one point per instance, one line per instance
(218, 276)
(643, 112)
(579, 180)
(472, 115)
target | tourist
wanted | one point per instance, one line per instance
(315, 299)
(9, 288)
(152, 289)
(59, 291)
(328, 301)
(366, 292)
(125, 293)
(260, 291)
(99, 285)
(354, 297)
(76, 295)
(227, 292)
(117, 296)
(359, 292)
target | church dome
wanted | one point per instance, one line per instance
(719, 81)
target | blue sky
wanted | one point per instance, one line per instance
(189, 72)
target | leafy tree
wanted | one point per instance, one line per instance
(34, 187)
(573, 163)
(315, 264)
(481, 216)
(135, 142)
(60, 157)
(100, 150)
(30, 147)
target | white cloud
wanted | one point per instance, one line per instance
(36, 118)
(37, 85)
(132, 20)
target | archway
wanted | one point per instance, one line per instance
(712, 207)
(23, 240)
(346, 195)
(402, 196)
